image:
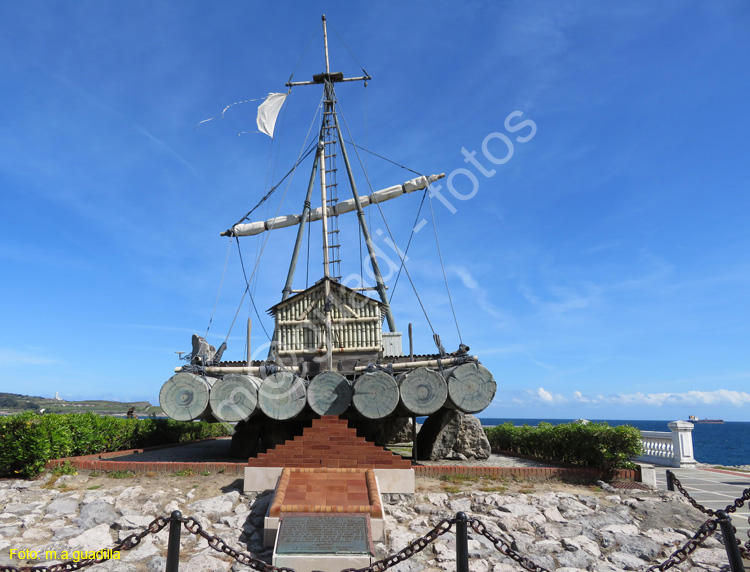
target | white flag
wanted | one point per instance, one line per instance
(268, 111)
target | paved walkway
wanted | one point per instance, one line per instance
(714, 489)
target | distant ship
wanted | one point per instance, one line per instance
(694, 419)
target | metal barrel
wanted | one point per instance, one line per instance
(422, 391)
(471, 387)
(234, 397)
(329, 393)
(184, 396)
(282, 395)
(376, 394)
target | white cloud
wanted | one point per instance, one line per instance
(481, 294)
(465, 276)
(578, 396)
(544, 396)
(687, 398)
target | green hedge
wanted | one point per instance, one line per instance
(28, 440)
(594, 445)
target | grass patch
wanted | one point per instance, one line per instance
(65, 469)
(459, 478)
(93, 488)
(497, 488)
(458, 482)
(121, 474)
(185, 473)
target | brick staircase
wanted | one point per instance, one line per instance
(330, 443)
(328, 491)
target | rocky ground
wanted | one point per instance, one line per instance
(560, 527)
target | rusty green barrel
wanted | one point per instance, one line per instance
(234, 397)
(329, 393)
(184, 396)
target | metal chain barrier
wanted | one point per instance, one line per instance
(681, 554)
(729, 530)
(128, 543)
(194, 527)
(738, 503)
(690, 499)
(410, 550)
(504, 547)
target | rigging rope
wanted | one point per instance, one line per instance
(221, 283)
(387, 227)
(348, 50)
(252, 301)
(384, 158)
(223, 111)
(277, 185)
(315, 33)
(408, 244)
(270, 174)
(442, 266)
(278, 209)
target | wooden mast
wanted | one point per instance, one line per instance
(327, 109)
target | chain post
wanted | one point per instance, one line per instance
(462, 543)
(173, 545)
(670, 480)
(730, 543)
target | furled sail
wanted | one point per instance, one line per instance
(252, 228)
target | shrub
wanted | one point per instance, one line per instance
(24, 446)
(595, 445)
(28, 440)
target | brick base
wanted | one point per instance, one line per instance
(330, 443)
(327, 491)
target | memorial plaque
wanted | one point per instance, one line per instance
(324, 534)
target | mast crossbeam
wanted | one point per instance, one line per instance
(258, 227)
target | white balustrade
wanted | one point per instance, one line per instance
(672, 448)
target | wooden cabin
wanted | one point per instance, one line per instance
(356, 328)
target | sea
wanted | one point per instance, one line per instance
(725, 443)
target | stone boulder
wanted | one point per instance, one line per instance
(438, 435)
(402, 431)
(384, 431)
(454, 435)
(246, 439)
(472, 440)
(95, 513)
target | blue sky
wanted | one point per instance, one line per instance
(600, 271)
